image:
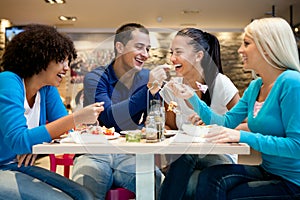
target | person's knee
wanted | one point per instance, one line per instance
(90, 173)
(189, 159)
(158, 178)
(192, 185)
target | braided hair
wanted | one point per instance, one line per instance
(211, 62)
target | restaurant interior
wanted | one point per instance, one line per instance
(91, 25)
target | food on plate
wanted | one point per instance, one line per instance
(108, 131)
(172, 106)
(96, 130)
(94, 134)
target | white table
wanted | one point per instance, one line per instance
(144, 155)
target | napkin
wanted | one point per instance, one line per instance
(184, 138)
(201, 87)
(84, 138)
(67, 139)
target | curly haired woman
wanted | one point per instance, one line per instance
(34, 64)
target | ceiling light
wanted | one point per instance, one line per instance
(66, 18)
(55, 1)
(159, 19)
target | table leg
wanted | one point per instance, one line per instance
(145, 178)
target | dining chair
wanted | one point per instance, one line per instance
(119, 194)
(66, 160)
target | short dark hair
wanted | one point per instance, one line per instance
(123, 33)
(31, 51)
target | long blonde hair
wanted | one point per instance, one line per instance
(275, 37)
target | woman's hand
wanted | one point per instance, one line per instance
(28, 158)
(181, 90)
(223, 135)
(88, 114)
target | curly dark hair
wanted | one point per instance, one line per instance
(31, 51)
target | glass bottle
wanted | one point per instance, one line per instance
(151, 128)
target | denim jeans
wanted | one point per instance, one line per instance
(242, 182)
(177, 178)
(101, 172)
(35, 183)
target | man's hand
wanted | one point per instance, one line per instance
(157, 77)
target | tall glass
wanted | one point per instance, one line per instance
(151, 129)
(157, 113)
(160, 121)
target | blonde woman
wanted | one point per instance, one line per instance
(271, 104)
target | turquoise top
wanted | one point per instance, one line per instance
(275, 131)
(15, 137)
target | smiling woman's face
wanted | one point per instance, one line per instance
(183, 55)
(252, 59)
(54, 73)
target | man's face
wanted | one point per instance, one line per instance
(136, 51)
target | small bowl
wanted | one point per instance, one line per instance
(197, 131)
(133, 136)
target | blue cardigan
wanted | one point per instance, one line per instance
(15, 137)
(275, 131)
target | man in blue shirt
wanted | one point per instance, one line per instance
(122, 86)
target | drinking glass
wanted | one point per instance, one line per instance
(156, 122)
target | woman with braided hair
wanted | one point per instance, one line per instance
(197, 60)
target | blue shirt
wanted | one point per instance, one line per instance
(123, 107)
(15, 137)
(275, 131)
(90, 83)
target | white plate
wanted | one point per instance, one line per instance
(198, 131)
(185, 138)
(112, 137)
(84, 138)
(170, 133)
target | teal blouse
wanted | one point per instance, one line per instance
(275, 131)
(15, 137)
